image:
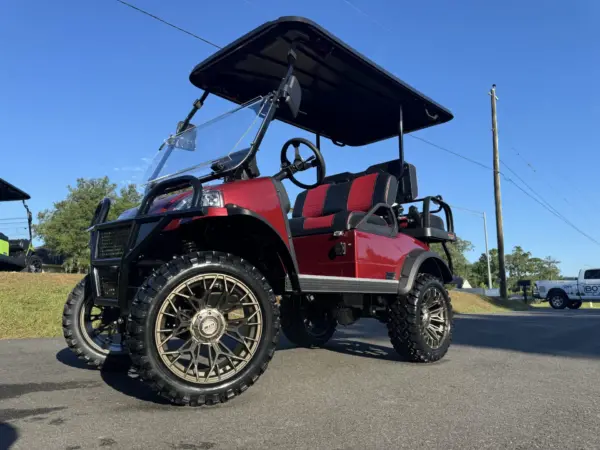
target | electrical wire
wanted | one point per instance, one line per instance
(206, 41)
(466, 158)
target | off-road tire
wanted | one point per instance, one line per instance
(553, 300)
(34, 264)
(144, 311)
(574, 305)
(294, 327)
(73, 333)
(404, 322)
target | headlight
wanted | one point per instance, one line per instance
(210, 197)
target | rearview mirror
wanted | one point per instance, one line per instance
(292, 94)
(184, 139)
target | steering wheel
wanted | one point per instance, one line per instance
(300, 164)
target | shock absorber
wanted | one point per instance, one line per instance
(189, 246)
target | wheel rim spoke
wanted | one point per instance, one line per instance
(100, 328)
(208, 328)
(434, 317)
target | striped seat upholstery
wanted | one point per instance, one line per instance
(341, 206)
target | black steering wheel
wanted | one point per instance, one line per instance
(299, 164)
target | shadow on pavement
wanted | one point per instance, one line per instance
(123, 381)
(8, 436)
(541, 333)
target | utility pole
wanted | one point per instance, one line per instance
(487, 253)
(498, 197)
(485, 233)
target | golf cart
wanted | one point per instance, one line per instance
(17, 254)
(193, 286)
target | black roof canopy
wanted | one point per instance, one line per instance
(9, 193)
(345, 96)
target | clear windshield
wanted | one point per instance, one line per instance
(214, 146)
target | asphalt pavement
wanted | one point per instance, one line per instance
(518, 381)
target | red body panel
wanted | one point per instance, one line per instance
(257, 195)
(367, 255)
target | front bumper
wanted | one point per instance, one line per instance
(117, 247)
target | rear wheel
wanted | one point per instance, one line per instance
(93, 333)
(203, 328)
(574, 305)
(420, 323)
(558, 300)
(307, 324)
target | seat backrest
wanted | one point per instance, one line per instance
(408, 189)
(358, 194)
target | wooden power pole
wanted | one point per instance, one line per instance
(498, 197)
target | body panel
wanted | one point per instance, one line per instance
(367, 255)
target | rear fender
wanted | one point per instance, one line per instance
(422, 261)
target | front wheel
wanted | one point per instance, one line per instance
(574, 305)
(420, 323)
(558, 300)
(203, 328)
(93, 333)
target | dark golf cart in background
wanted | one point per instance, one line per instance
(17, 255)
(193, 286)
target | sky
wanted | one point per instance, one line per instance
(89, 88)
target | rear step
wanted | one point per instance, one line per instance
(345, 285)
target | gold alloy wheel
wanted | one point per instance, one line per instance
(434, 317)
(208, 328)
(100, 328)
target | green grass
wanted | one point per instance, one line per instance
(31, 304)
(468, 303)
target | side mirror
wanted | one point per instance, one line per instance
(292, 94)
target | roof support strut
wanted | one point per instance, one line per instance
(401, 142)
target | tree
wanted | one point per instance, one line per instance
(63, 228)
(479, 269)
(457, 250)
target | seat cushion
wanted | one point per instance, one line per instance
(342, 221)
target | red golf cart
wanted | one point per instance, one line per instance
(193, 286)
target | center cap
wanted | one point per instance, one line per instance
(208, 325)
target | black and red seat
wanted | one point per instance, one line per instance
(342, 206)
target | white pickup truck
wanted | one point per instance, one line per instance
(570, 293)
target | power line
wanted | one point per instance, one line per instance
(528, 186)
(206, 41)
(545, 205)
(466, 158)
(560, 216)
(372, 19)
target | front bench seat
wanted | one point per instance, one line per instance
(341, 206)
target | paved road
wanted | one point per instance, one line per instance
(519, 381)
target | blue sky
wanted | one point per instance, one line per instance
(87, 87)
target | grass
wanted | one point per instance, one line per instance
(468, 303)
(31, 304)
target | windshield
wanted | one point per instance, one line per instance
(214, 146)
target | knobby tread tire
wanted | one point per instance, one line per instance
(167, 386)
(76, 342)
(403, 323)
(294, 328)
